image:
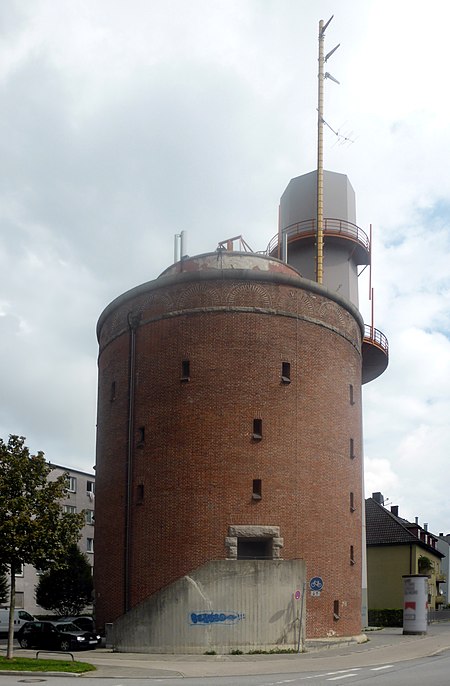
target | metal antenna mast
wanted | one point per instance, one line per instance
(320, 121)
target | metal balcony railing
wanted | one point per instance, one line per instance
(331, 227)
(376, 337)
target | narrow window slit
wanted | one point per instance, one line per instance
(286, 372)
(352, 396)
(141, 436)
(257, 429)
(257, 489)
(185, 370)
(336, 614)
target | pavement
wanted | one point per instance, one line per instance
(386, 646)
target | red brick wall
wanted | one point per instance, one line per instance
(198, 460)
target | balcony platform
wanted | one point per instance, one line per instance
(375, 352)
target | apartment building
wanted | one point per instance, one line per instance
(397, 547)
(80, 496)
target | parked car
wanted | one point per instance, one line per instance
(20, 617)
(85, 623)
(55, 636)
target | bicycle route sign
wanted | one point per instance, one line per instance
(316, 585)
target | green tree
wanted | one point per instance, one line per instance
(33, 527)
(68, 589)
(4, 586)
(424, 564)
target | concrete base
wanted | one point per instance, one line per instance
(223, 606)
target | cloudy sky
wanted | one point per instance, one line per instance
(123, 123)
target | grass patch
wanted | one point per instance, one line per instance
(29, 664)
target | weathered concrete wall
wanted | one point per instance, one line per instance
(224, 605)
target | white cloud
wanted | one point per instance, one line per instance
(379, 477)
(134, 123)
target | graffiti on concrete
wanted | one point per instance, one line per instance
(204, 618)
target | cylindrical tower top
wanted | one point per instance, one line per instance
(345, 244)
(298, 201)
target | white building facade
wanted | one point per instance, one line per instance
(80, 496)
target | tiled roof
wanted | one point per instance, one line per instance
(384, 528)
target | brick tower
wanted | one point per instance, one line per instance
(229, 422)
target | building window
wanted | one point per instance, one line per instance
(89, 515)
(140, 436)
(90, 487)
(140, 494)
(72, 488)
(336, 614)
(286, 372)
(20, 597)
(90, 545)
(185, 370)
(70, 509)
(254, 549)
(270, 543)
(19, 570)
(352, 449)
(352, 502)
(257, 429)
(352, 555)
(352, 397)
(257, 489)
(112, 397)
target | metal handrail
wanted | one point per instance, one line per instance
(373, 335)
(55, 652)
(331, 227)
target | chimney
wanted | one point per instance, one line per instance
(378, 497)
(417, 520)
(425, 526)
(394, 510)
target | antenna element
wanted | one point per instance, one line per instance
(320, 123)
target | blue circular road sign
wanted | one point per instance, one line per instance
(316, 583)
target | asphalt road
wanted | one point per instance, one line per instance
(388, 659)
(432, 671)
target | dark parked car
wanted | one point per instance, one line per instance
(55, 636)
(85, 623)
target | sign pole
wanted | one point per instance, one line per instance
(300, 646)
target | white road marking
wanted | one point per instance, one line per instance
(377, 669)
(276, 683)
(345, 672)
(344, 676)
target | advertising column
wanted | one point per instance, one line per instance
(415, 603)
